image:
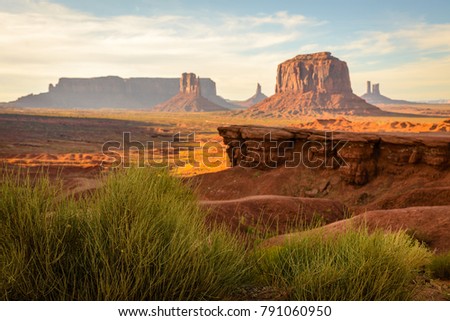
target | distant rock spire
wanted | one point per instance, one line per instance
(198, 91)
(258, 89)
(369, 88)
(376, 89)
(188, 83)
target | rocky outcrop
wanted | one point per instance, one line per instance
(374, 96)
(189, 84)
(312, 84)
(256, 98)
(114, 92)
(359, 157)
(319, 73)
(189, 98)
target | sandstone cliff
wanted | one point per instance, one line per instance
(189, 98)
(312, 84)
(359, 157)
(113, 92)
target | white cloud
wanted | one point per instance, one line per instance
(42, 41)
(420, 80)
(419, 38)
(410, 63)
(369, 43)
(281, 18)
(46, 41)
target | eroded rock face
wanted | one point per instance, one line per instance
(189, 98)
(359, 157)
(189, 83)
(319, 73)
(311, 84)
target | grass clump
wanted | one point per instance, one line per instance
(440, 266)
(140, 237)
(354, 265)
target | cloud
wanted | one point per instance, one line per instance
(48, 41)
(281, 18)
(426, 37)
(369, 43)
(419, 80)
(410, 63)
(419, 39)
(42, 41)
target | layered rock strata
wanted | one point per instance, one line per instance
(312, 84)
(359, 157)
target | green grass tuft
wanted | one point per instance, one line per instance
(140, 237)
(440, 266)
(354, 265)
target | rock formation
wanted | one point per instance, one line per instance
(374, 96)
(114, 92)
(312, 84)
(359, 157)
(256, 98)
(189, 98)
(189, 84)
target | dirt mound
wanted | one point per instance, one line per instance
(394, 187)
(188, 103)
(431, 196)
(430, 225)
(273, 213)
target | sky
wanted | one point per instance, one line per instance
(403, 45)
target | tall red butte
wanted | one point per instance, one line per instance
(313, 84)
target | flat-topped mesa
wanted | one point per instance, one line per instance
(359, 157)
(318, 73)
(116, 92)
(312, 84)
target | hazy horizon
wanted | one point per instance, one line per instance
(401, 45)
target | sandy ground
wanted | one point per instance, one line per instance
(68, 144)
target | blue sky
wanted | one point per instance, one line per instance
(404, 45)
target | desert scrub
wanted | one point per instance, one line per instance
(139, 237)
(354, 265)
(440, 266)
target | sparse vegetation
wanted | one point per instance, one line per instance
(142, 237)
(354, 265)
(440, 266)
